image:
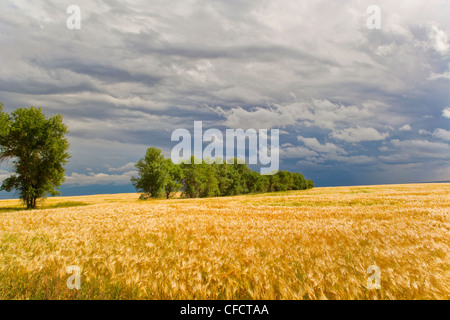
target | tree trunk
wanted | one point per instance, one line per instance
(31, 203)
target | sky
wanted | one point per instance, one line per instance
(354, 105)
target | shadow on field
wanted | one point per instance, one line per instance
(67, 204)
(9, 209)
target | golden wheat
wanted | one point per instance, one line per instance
(314, 244)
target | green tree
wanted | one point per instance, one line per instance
(153, 174)
(175, 178)
(4, 122)
(192, 181)
(299, 181)
(233, 178)
(223, 179)
(208, 179)
(200, 180)
(286, 181)
(274, 183)
(263, 183)
(210, 183)
(253, 182)
(37, 147)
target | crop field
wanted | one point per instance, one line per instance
(314, 244)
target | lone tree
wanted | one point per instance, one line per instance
(37, 147)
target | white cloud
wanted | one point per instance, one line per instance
(436, 76)
(359, 134)
(359, 159)
(315, 145)
(296, 152)
(125, 168)
(439, 40)
(325, 159)
(77, 179)
(442, 134)
(257, 118)
(446, 113)
(314, 112)
(425, 132)
(406, 127)
(422, 145)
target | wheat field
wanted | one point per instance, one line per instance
(314, 244)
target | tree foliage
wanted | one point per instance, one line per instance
(37, 147)
(153, 174)
(157, 175)
(175, 178)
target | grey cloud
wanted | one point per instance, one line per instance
(138, 70)
(417, 151)
(105, 73)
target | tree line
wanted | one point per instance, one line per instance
(159, 177)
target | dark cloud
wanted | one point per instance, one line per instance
(342, 94)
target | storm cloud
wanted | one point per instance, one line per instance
(354, 105)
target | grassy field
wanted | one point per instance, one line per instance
(315, 244)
